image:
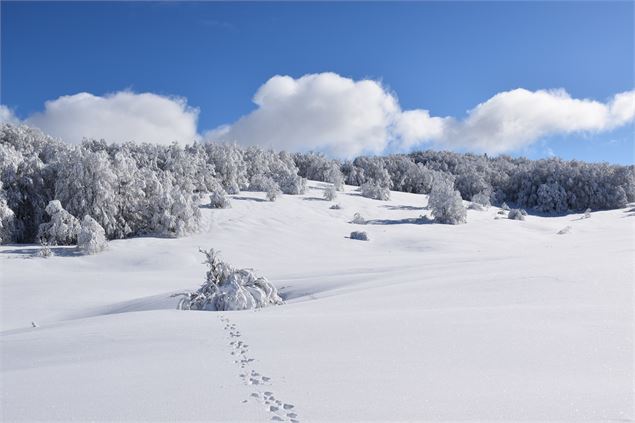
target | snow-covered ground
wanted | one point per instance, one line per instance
(493, 320)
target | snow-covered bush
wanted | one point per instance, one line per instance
(330, 193)
(587, 213)
(375, 191)
(359, 235)
(358, 219)
(218, 200)
(446, 203)
(226, 288)
(517, 214)
(335, 207)
(481, 198)
(63, 227)
(564, 230)
(92, 237)
(44, 251)
(505, 207)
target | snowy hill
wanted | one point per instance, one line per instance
(493, 320)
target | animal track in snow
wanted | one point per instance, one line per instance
(279, 410)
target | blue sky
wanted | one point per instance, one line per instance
(442, 57)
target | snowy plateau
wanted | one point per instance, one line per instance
(493, 320)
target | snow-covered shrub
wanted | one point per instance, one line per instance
(564, 230)
(481, 198)
(92, 237)
(44, 251)
(273, 192)
(292, 185)
(330, 193)
(334, 175)
(501, 212)
(517, 214)
(475, 206)
(587, 213)
(375, 191)
(226, 288)
(446, 203)
(335, 207)
(218, 200)
(505, 207)
(358, 219)
(265, 184)
(359, 235)
(63, 227)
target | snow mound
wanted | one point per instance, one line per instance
(226, 288)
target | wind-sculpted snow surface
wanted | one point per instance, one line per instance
(226, 288)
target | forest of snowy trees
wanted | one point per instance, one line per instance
(51, 192)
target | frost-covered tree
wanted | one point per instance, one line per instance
(229, 165)
(445, 202)
(7, 220)
(63, 227)
(481, 198)
(226, 288)
(92, 237)
(330, 193)
(358, 219)
(552, 197)
(218, 200)
(375, 191)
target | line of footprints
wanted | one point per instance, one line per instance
(280, 411)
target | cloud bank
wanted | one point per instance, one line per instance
(337, 115)
(119, 117)
(343, 117)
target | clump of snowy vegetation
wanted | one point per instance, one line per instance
(7, 219)
(505, 207)
(564, 230)
(218, 200)
(92, 237)
(587, 213)
(336, 207)
(475, 206)
(226, 288)
(63, 227)
(359, 235)
(445, 202)
(482, 199)
(44, 251)
(358, 219)
(374, 191)
(517, 214)
(330, 193)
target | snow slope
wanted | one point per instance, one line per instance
(493, 320)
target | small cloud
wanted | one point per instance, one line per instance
(214, 23)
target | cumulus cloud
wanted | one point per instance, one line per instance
(324, 112)
(343, 117)
(515, 119)
(7, 115)
(119, 117)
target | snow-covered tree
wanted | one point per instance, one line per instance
(446, 203)
(7, 220)
(481, 198)
(218, 200)
(330, 193)
(63, 227)
(92, 237)
(375, 191)
(226, 288)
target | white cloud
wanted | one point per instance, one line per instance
(119, 117)
(343, 117)
(515, 119)
(7, 115)
(324, 112)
